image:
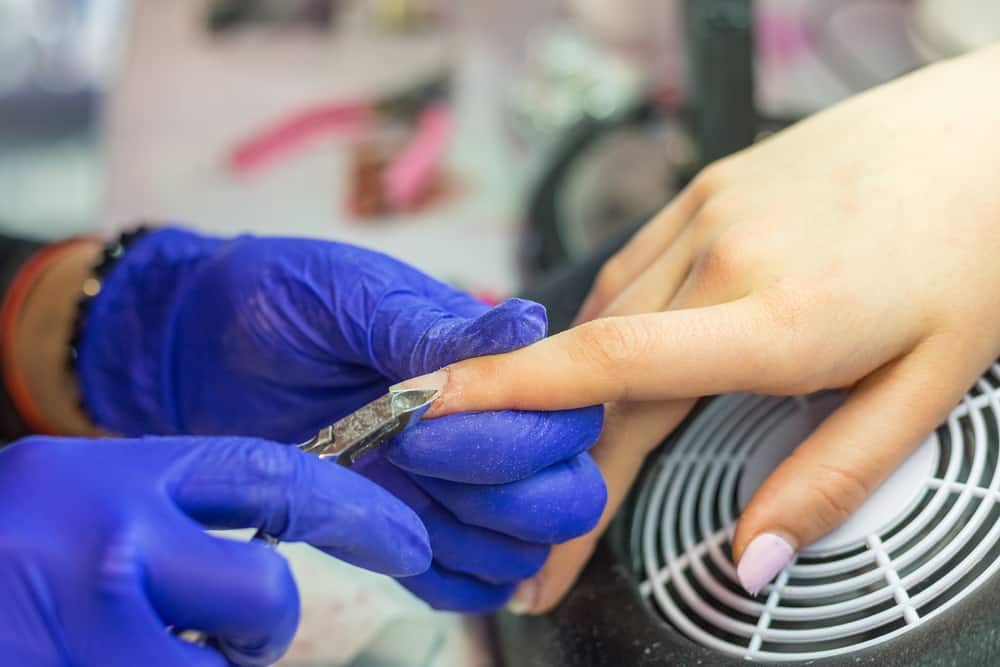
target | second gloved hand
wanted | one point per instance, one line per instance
(102, 547)
(279, 337)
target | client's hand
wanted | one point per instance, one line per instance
(858, 249)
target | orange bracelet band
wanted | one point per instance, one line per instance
(10, 311)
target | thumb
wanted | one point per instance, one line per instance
(843, 462)
(413, 336)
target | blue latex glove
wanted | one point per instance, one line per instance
(278, 337)
(103, 546)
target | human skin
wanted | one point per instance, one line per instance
(277, 337)
(41, 338)
(858, 249)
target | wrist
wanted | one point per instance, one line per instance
(38, 315)
(128, 330)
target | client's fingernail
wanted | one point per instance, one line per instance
(763, 559)
(524, 599)
(435, 381)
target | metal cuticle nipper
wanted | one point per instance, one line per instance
(349, 439)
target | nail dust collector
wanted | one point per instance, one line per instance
(911, 579)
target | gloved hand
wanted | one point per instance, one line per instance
(102, 547)
(279, 337)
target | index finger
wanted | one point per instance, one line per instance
(667, 355)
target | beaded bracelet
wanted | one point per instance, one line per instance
(91, 287)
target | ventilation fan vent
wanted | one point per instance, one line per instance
(928, 537)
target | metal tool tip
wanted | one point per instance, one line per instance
(408, 400)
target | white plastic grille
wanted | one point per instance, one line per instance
(928, 556)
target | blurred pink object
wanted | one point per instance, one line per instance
(291, 134)
(783, 37)
(412, 174)
(489, 297)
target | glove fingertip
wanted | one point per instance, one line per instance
(495, 447)
(509, 326)
(530, 318)
(589, 498)
(403, 541)
(455, 592)
(415, 553)
(590, 421)
(513, 324)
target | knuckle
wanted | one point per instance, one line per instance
(717, 214)
(786, 308)
(725, 258)
(711, 179)
(611, 344)
(789, 347)
(839, 491)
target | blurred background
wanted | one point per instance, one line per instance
(491, 143)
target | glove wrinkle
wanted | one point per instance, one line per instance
(129, 513)
(277, 337)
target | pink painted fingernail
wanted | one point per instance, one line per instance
(524, 599)
(763, 559)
